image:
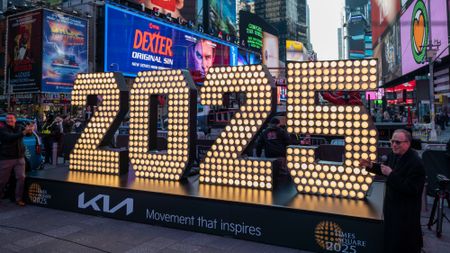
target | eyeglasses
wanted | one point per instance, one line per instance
(396, 142)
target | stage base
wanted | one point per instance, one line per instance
(280, 217)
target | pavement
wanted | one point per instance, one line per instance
(37, 229)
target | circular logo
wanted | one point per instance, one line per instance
(328, 232)
(419, 31)
(34, 192)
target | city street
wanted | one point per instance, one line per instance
(36, 229)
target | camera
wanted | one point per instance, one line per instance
(443, 181)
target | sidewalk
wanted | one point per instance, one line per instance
(36, 229)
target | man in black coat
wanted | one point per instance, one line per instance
(12, 155)
(405, 177)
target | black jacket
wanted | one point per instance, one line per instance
(274, 141)
(11, 145)
(402, 202)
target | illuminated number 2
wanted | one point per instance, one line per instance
(182, 96)
(222, 164)
(351, 121)
(90, 152)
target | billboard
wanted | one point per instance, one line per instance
(65, 51)
(257, 35)
(248, 58)
(222, 17)
(356, 30)
(415, 32)
(391, 54)
(186, 9)
(295, 51)
(136, 43)
(24, 54)
(383, 14)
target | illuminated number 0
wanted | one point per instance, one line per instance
(182, 96)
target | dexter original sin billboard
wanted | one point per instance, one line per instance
(134, 43)
(416, 28)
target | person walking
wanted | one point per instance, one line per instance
(12, 155)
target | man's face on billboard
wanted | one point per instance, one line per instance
(204, 56)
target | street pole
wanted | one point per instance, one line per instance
(430, 55)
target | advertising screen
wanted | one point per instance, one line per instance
(391, 54)
(356, 32)
(383, 13)
(295, 51)
(259, 36)
(65, 51)
(222, 17)
(24, 52)
(415, 31)
(136, 43)
(248, 58)
(185, 9)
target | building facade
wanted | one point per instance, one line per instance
(289, 17)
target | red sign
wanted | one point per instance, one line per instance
(384, 13)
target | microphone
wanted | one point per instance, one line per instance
(383, 159)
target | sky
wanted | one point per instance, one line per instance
(325, 18)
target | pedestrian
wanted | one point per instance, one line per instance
(51, 133)
(274, 140)
(12, 155)
(405, 178)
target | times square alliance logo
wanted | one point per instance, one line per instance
(419, 31)
(37, 195)
(330, 236)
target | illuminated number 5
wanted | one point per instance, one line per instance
(223, 164)
(353, 122)
(91, 151)
(182, 96)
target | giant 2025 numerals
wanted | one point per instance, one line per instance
(224, 163)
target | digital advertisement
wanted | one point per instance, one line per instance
(185, 9)
(415, 31)
(24, 52)
(257, 35)
(383, 13)
(146, 44)
(295, 51)
(248, 58)
(222, 17)
(65, 52)
(391, 54)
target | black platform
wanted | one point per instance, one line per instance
(281, 216)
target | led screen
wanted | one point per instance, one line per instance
(257, 35)
(24, 52)
(248, 58)
(391, 54)
(415, 31)
(186, 9)
(383, 14)
(295, 51)
(64, 51)
(222, 17)
(136, 43)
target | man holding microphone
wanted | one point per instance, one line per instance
(12, 155)
(405, 178)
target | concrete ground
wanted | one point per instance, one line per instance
(37, 229)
